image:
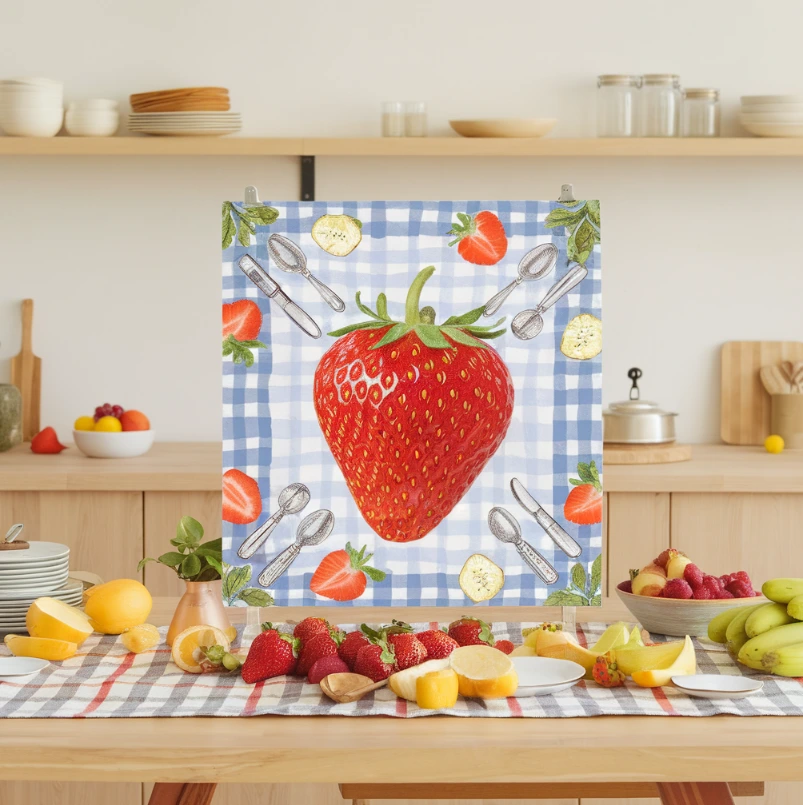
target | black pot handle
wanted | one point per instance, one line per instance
(634, 374)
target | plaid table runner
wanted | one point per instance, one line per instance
(104, 680)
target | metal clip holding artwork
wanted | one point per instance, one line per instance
(292, 499)
(254, 271)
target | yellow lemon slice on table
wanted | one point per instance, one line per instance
(187, 653)
(481, 579)
(437, 689)
(484, 672)
(582, 338)
(43, 648)
(140, 638)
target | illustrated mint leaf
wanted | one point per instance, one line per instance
(171, 558)
(263, 216)
(228, 225)
(255, 597)
(579, 577)
(564, 598)
(466, 318)
(244, 231)
(564, 217)
(190, 566)
(190, 530)
(593, 212)
(596, 575)
(235, 580)
(581, 243)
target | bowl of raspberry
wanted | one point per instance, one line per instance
(673, 596)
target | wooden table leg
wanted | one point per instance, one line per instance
(695, 794)
(182, 794)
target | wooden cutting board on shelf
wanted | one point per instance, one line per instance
(745, 410)
(26, 375)
(645, 453)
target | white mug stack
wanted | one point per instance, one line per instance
(31, 107)
(95, 117)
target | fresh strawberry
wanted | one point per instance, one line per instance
(331, 664)
(584, 503)
(310, 627)
(352, 643)
(242, 321)
(273, 653)
(505, 646)
(242, 502)
(319, 645)
(481, 237)
(46, 441)
(377, 660)
(693, 575)
(607, 673)
(412, 412)
(677, 588)
(438, 644)
(409, 650)
(471, 632)
(341, 575)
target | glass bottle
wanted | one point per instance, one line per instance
(617, 105)
(660, 105)
(701, 113)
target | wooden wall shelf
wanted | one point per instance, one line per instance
(388, 147)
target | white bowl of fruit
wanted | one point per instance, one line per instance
(672, 596)
(113, 432)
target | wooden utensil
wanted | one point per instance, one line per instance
(745, 407)
(794, 372)
(344, 688)
(26, 375)
(775, 379)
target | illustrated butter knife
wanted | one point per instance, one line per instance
(554, 530)
(274, 292)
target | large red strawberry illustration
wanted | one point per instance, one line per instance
(412, 411)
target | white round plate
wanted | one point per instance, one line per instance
(37, 550)
(775, 129)
(16, 668)
(749, 100)
(542, 676)
(67, 590)
(527, 692)
(36, 579)
(26, 572)
(718, 686)
(188, 133)
(185, 115)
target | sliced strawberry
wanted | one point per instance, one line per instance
(46, 441)
(341, 575)
(482, 238)
(242, 502)
(242, 319)
(584, 503)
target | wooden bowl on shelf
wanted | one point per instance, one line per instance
(504, 127)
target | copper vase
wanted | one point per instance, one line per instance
(201, 605)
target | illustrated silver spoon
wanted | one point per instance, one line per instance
(528, 323)
(506, 528)
(13, 532)
(537, 263)
(289, 257)
(292, 499)
(312, 530)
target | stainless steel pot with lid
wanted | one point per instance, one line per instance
(637, 421)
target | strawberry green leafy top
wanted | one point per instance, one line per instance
(460, 329)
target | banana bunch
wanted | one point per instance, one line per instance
(766, 637)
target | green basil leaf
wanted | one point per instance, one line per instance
(579, 577)
(563, 217)
(189, 530)
(255, 597)
(214, 562)
(143, 562)
(190, 566)
(581, 243)
(171, 559)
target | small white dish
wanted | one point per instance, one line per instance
(504, 127)
(126, 444)
(718, 686)
(543, 676)
(15, 669)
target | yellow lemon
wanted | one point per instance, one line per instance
(402, 683)
(43, 648)
(47, 617)
(84, 423)
(186, 651)
(109, 424)
(437, 689)
(118, 605)
(140, 638)
(483, 672)
(774, 444)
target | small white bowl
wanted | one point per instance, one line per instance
(718, 686)
(126, 444)
(97, 123)
(93, 104)
(543, 676)
(504, 127)
(15, 669)
(21, 122)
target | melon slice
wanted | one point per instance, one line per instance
(684, 665)
(48, 617)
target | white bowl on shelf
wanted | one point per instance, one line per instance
(126, 444)
(772, 117)
(31, 121)
(772, 108)
(94, 123)
(93, 104)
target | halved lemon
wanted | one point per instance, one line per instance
(48, 617)
(338, 235)
(186, 651)
(484, 672)
(582, 338)
(481, 579)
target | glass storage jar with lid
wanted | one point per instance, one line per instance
(660, 105)
(701, 113)
(616, 105)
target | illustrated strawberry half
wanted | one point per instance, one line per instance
(481, 238)
(242, 502)
(343, 575)
(242, 321)
(584, 503)
(412, 411)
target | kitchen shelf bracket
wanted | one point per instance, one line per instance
(308, 178)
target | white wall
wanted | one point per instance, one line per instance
(122, 255)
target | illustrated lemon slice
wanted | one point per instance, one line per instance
(43, 648)
(47, 617)
(582, 338)
(484, 672)
(437, 689)
(338, 235)
(186, 651)
(403, 683)
(480, 578)
(140, 638)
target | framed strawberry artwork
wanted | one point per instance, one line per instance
(412, 403)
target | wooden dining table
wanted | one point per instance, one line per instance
(682, 760)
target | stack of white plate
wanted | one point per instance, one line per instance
(31, 107)
(41, 569)
(185, 124)
(773, 115)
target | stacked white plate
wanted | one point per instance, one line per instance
(185, 124)
(773, 115)
(41, 569)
